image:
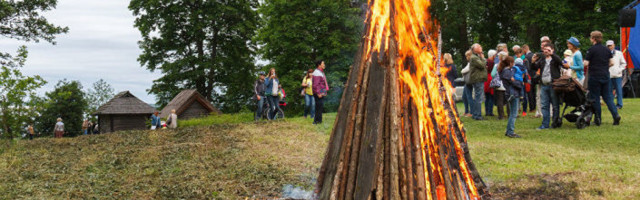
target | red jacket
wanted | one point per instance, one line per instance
(320, 85)
(488, 89)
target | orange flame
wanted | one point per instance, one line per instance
(416, 33)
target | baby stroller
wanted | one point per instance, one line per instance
(574, 95)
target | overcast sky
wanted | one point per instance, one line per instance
(101, 44)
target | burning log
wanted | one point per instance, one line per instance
(397, 134)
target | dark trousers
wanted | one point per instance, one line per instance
(599, 87)
(319, 109)
(30, 136)
(532, 97)
(488, 104)
(499, 98)
(525, 101)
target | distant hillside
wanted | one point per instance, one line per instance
(219, 161)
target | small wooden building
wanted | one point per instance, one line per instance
(123, 112)
(189, 104)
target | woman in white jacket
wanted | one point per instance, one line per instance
(619, 64)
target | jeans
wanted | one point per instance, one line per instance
(548, 96)
(478, 89)
(319, 109)
(467, 98)
(84, 132)
(499, 97)
(488, 104)
(511, 124)
(309, 105)
(616, 84)
(599, 87)
(259, 109)
(273, 105)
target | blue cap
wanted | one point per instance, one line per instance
(261, 73)
(519, 61)
(574, 41)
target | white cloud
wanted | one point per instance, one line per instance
(101, 44)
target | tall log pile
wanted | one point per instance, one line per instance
(389, 140)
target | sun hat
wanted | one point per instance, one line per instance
(574, 41)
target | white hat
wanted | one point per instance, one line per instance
(492, 53)
(610, 42)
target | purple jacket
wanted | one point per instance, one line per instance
(320, 85)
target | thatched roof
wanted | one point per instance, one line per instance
(183, 100)
(125, 103)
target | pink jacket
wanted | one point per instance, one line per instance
(320, 85)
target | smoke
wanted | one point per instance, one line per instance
(291, 192)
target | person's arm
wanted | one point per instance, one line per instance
(578, 65)
(494, 71)
(476, 62)
(267, 82)
(623, 62)
(304, 82)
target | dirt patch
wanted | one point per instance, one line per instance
(542, 186)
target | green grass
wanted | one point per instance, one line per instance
(232, 157)
(219, 160)
(218, 119)
(592, 163)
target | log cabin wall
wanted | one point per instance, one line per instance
(113, 123)
(194, 110)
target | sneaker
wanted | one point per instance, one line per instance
(542, 128)
(619, 107)
(616, 121)
(597, 121)
(513, 135)
(478, 118)
(524, 114)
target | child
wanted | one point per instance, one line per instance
(521, 75)
(513, 89)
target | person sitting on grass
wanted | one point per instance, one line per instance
(513, 89)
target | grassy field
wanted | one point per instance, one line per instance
(565, 163)
(232, 157)
(227, 159)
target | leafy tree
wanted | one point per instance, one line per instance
(199, 44)
(99, 94)
(16, 94)
(65, 101)
(21, 20)
(295, 33)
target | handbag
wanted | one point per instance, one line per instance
(496, 82)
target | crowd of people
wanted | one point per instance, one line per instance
(522, 80)
(314, 88)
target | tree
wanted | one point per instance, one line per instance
(205, 45)
(296, 33)
(99, 94)
(21, 20)
(65, 101)
(17, 93)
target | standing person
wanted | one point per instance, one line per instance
(172, 120)
(598, 61)
(517, 51)
(258, 95)
(500, 91)
(59, 128)
(577, 66)
(549, 67)
(272, 84)
(477, 78)
(31, 132)
(155, 121)
(531, 93)
(320, 89)
(616, 71)
(544, 40)
(489, 93)
(522, 76)
(452, 74)
(513, 90)
(85, 126)
(467, 93)
(309, 102)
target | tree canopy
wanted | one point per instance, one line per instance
(66, 101)
(199, 44)
(296, 33)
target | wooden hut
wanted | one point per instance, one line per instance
(189, 104)
(123, 112)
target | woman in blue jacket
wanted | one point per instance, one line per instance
(272, 86)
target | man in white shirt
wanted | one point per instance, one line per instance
(616, 71)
